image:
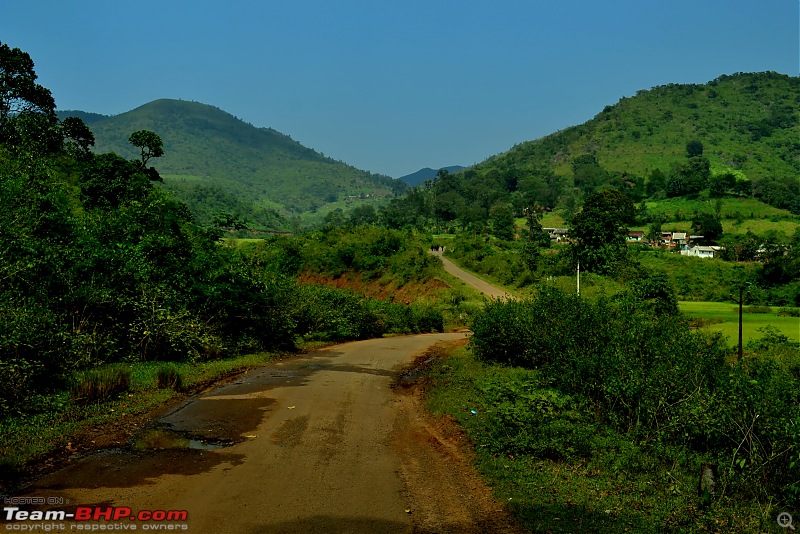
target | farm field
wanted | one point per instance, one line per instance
(728, 316)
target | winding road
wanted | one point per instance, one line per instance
(470, 279)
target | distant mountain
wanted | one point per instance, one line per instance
(215, 160)
(425, 174)
(87, 118)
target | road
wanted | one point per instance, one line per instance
(314, 443)
(471, 280)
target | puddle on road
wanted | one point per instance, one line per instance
(161, 438)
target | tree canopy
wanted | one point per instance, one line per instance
(599, 230)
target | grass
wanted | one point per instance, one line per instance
(60, 420)
(724, 318)
(621, 486)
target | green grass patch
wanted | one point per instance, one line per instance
(760, 226)
(724, 318)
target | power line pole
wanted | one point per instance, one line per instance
(742, 295)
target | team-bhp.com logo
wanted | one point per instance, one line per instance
(123, 517)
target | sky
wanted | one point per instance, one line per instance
(395, 86)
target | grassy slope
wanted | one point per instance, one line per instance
(650, 130)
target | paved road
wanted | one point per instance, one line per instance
(322, 444)
(472, 280)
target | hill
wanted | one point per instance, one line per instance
(422, 175)
(747, 123)
(215, 160)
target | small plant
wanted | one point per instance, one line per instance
(101, 383)
(168, 376)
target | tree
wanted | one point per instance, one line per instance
(78, 138)
(694, 148)
(720, 184)
(656, 291)
(707, 225)
(363, 215)
(587, 173)
(656, 183)
(110, 181)
(654, 232)
(19, 92)
(689, 177)
(149, 143)
(502, 222)
(599, 230)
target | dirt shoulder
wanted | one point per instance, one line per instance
(437, 464)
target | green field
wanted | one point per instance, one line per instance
(727, 316)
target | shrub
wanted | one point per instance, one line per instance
(101, 383)
(649, 376)
(168, 376)
(789, 312)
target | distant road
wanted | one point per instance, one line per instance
(471, 280)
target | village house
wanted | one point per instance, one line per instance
(635, 235)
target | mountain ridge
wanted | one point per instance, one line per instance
(426, 173)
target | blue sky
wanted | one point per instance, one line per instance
(391, 87)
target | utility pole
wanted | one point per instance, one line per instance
(740, 301)
(579, 281)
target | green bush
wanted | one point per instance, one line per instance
(789, 312)
(100, 384)
(649, 376)
(168, 376)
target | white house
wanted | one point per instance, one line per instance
(699, 251)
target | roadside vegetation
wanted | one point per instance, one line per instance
(600, 417)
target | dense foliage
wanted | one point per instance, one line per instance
(100, 266)
(640, 370)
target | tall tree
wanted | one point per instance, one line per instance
(150, 144)
(19, 92)
(708, 225)
(599, 230)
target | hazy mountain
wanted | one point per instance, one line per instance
(427, 173)
(210, 154)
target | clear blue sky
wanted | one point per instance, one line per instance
(391, 87)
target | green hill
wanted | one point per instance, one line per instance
(214, 160)
(748, 124)
(680, 148)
